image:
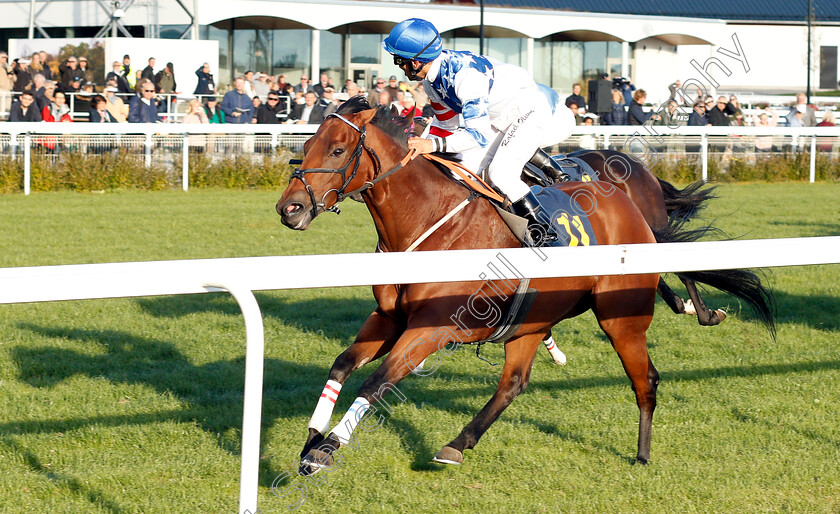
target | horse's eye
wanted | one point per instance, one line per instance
(337, 152)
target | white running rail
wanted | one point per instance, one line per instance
(242, 276)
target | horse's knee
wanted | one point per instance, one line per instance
(344, 365)
(517, 383)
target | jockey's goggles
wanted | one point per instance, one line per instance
(399, 61)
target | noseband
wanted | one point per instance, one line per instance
(355, 160)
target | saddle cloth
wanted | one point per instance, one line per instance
(568, 219)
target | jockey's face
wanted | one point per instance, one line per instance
(415, 70)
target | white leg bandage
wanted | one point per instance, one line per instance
(320, 420)
(557, 356)
(347, 425)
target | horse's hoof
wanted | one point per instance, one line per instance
(314, 461)
(688, 308)
(721, 315)
(449, 455)
(641, 460)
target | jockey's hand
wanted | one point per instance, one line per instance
(422, 145)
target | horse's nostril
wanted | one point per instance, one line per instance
(292, 208)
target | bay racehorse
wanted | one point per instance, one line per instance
(360, 152)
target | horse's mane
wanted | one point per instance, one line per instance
(385, 119)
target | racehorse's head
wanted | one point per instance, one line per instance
(336, 162)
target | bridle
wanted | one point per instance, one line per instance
(354, 160)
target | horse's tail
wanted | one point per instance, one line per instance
(742, 283)
(684, 204)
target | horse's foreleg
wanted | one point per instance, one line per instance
(375, 339)
(412, 347)
(519, 357)
(705, 317)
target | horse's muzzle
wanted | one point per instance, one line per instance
(295, 212)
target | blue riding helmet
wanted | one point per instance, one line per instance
(414, 39)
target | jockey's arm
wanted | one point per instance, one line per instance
(445, 135)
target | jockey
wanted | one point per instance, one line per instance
(507, 116)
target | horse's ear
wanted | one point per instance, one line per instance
(395, 113)
(365, 116)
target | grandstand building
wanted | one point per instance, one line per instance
(759, 47)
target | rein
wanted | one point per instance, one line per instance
(354, 160)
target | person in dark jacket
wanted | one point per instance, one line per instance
(144, 109)
(636, 115)
(270, 112)
(309, 111)
(99, 111)
(205, 86)
(617, 114)
(116, 75)
(575, 97)
(148, 72)
(23, 78)
(719, 114)
(23, 109)
(698, 118)
(71, 73)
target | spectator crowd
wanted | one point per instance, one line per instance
(42, 89)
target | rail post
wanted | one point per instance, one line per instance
(185, 168)
(27, 162)
(812, 175)
(704, 156)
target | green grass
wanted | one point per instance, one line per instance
(134, 405)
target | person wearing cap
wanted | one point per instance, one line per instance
(70, 72)
(392, 88)
(261, 86)
(128, 73)
(23, 78)
(84, 69)
(507, 116)
(215, 114)
(116, 106)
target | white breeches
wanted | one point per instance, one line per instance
(514, 146)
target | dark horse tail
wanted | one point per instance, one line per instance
(741, 283)
(684, 204)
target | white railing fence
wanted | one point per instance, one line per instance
(242, 276)
(175, 142)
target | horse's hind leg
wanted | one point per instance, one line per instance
(519, 357)
(672, 299)
(706, 317)
(625, 318)
(375, 339)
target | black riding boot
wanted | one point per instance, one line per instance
(539, 227)
(545, 163)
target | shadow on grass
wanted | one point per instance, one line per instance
(211, 394)
(334, 318)
(74, 486)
